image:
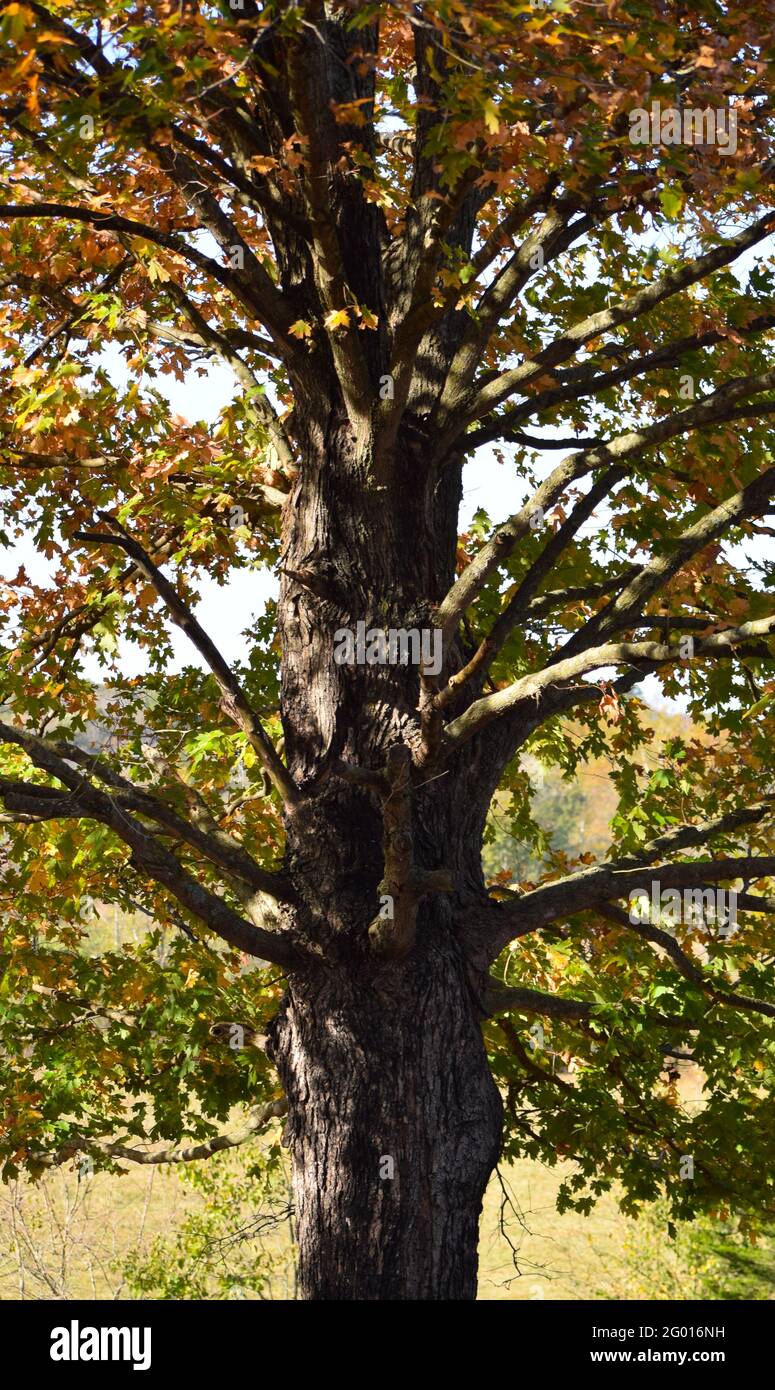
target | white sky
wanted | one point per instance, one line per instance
(226, 611)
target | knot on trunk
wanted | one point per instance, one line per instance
(392, 933)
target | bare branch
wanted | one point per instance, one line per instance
(520, 603)
(622, 610)
(688, 836)
(719, 406)
(259, 403)
(685, 966)
(258, 1120)
(578, 383)
(554, 235)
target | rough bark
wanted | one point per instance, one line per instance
(394, 1119)
(394, 1128)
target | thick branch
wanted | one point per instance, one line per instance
(502, 702)
(604, 882)
(564, 347)
(508, 998)
(151, 857)
(311, 97)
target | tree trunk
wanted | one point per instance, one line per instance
(394, 1119)
(394, 1130)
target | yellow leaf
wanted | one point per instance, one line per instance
(491, 118)
(338, 318)
(263, 164)
(156, 271)
(33, 104)
(146, 598)
(38, 879)
(300, 329)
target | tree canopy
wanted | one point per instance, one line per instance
(191, 183)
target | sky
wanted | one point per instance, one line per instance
(226, 610)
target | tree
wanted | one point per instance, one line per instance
(410, 231)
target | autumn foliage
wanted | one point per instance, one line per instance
(416, 222)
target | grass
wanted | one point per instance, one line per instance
(71, 1238)
(554, 1257)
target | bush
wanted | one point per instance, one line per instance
(234, 1243)
(709, 1258)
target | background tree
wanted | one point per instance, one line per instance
(410, 231)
